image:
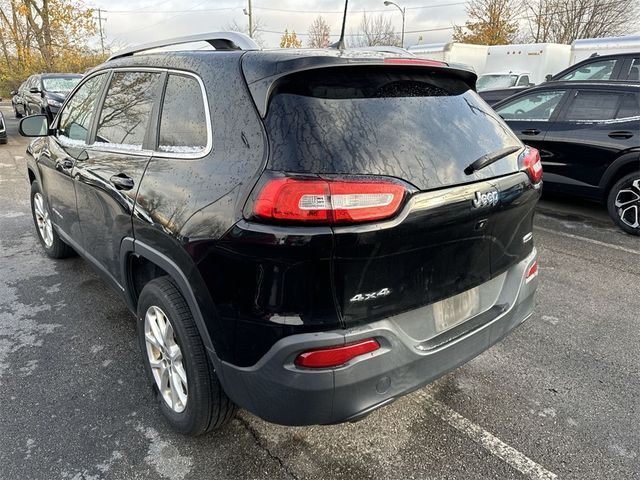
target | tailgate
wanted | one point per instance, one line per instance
(439, 246)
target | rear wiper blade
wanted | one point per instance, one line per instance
(489, 158)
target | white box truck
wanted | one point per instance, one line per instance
(474, 56)
(586, 47)
(522, 64)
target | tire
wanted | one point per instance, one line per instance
(15, 110)
(623, 203)
(201, 404)
(51, 242)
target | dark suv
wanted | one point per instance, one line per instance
(308, 234)
(588, 135)
(621, 67)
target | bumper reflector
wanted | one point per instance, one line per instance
(532, 272)
(336, 356)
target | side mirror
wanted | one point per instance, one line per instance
(34, 90)
(548, 77)
(34, 126)
(14, 92)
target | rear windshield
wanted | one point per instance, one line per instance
(421, 127)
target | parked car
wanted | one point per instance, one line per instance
(44, 93)
(17, 101)
(3, 130)
(308, 235)
(620, 67)
(493, 87)
(588, 135)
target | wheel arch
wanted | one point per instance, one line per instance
(130, 250)
(623, 165)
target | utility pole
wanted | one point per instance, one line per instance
(101, 30)
(249, 13)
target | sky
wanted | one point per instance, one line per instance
(139, 21)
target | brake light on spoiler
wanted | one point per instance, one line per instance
(328, 201)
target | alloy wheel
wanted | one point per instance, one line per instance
(165, 359)
(628, 204)
(45, 229)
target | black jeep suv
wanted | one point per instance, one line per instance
(308, 234)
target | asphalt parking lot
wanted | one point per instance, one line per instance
(559, 398)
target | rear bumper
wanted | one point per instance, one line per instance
(280, 392)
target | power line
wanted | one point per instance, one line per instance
(283, 10)
(161, 21)
(153, 12)
(360, 34)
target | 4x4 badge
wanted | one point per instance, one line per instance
(362, 297)
(486, 199)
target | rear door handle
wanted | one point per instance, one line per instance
(624, 135)
(530, 131)
(122, 182)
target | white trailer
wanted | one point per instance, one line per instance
(586, 47)
(533, 60)
(474, 56)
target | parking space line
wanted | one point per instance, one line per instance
(489, 442)
(589, 240)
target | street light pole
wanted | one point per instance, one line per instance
(402, 11)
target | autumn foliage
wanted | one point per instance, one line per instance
(44, 36)
(290, 40)
(491, 22)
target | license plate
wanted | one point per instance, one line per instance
(452, 311)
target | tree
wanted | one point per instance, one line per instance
(491, 22)
(319, 33)
(44, 36)
(563, 21)
(375, 31)
(257, 25)
(290, 40)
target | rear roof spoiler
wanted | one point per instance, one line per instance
(262, 76)
(218, 40)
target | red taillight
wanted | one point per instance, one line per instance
(532, 272)
(335, 356)
(415, 61)
(328, 201)
(530, 162)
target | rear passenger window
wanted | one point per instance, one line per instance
(601, 70)
(77, 115)
(594, 106)
(629, 106)
(126, 112)
(183, 124)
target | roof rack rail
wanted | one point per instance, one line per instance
(218, 40)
